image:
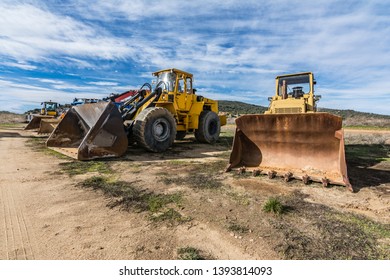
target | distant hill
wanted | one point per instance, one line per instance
(350, 117)
(235, 108)
(239, 108)
(8, 117)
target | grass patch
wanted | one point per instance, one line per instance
(36, 143)
(129, 196)
(135, 168)
(81, 167)
(200, 175)
(39, 144)
(318, 232)
(170, 215)
(368, 153)
(196, 181)
(157, 202)
(10, 125)
(241, 199)
(234, 227)
(178, 162)
(189, 253)
(274, 205)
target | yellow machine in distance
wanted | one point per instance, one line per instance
(153, 118)
(49, 110)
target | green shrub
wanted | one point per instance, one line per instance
(273, 205)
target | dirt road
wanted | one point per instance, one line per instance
(44, 214)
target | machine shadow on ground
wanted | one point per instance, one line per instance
(368, 165)
(188, 148)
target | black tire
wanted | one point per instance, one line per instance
(209, 127)
(155, 129)
(180, 135)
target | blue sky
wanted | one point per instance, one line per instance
(59, 49)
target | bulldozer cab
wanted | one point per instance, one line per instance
(295, 85)
(294, 93)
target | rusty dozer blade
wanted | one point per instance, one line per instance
(36, 121)
(47, 125)
(90, 131)
(309, 147)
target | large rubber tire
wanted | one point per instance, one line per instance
(209, 127)
(155, 129)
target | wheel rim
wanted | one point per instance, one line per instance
(213, 127)
(161, 130)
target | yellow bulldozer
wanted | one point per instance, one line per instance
(152, 118)
(291, 139)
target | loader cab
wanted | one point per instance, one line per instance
(174, 81)
(49, 108)
(168, 80)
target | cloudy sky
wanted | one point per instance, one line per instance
(59, 49)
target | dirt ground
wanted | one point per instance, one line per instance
(45, 213)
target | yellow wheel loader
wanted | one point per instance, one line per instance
(152, 118)
(291, 139)
(49, 110)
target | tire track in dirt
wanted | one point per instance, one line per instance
(4, 236)
(18, 243)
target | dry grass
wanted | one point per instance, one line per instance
(315, 232)
(129, 196)
(367, 121)
(190, 253)
(367, 139)
(7, 118)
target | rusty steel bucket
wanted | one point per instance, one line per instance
(36, 121)
(309, 147)
(90, 131)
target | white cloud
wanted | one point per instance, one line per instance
(30, 33)
(234, 48)
(110, 84)
(19, 64)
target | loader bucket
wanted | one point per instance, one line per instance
(90, 131)
(36, 121)
(47, 125)
(309, 147)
